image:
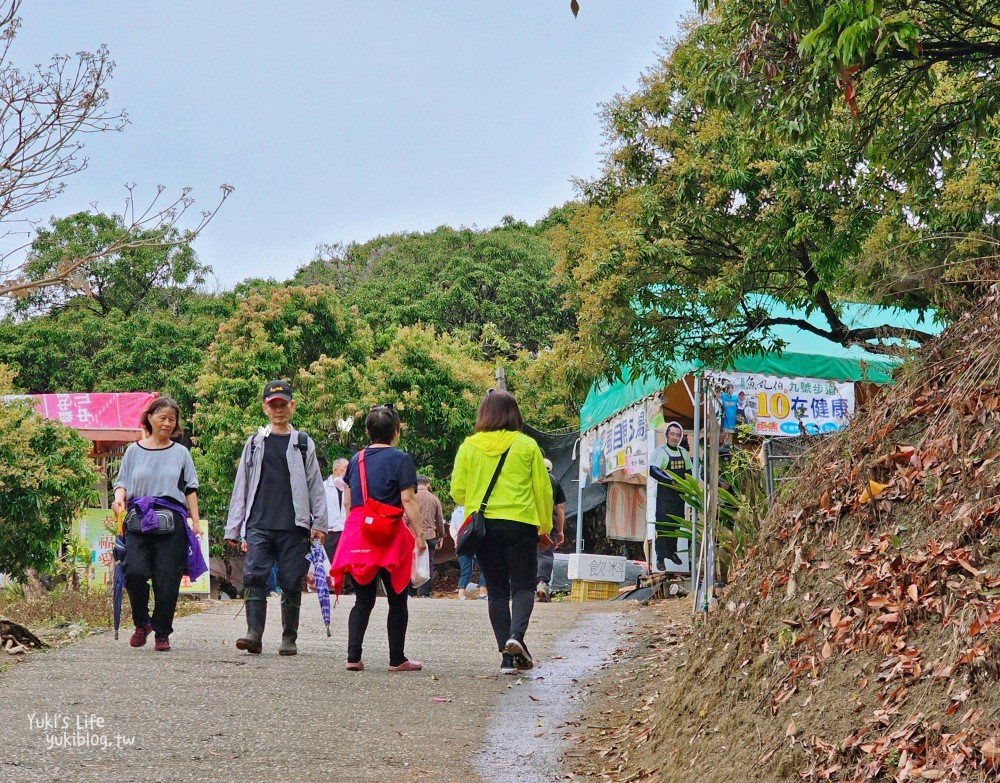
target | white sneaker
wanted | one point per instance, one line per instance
(542, 592)
(472, 587)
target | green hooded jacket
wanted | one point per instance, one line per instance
(523, 492)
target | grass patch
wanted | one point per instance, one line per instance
(88, 608)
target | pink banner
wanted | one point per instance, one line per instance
(95, 411)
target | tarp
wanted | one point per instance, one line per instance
(565, 467)
(805, 354)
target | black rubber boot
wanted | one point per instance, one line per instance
(290, 605)
(256, 606)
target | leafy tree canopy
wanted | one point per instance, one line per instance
(887, 59)
(451, 279)
(123, 279)
(78, 350)
(701, 210)
(46, 480)
(273, 334)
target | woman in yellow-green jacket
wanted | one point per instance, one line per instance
(518, 517)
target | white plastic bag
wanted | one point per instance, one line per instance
(420, 572)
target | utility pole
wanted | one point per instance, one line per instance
(501, 379)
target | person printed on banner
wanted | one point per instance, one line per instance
(279, 502)
(748, 407)
(674, 458)
(546, 558)
(591, 462)
(156, 473)
(730, 405)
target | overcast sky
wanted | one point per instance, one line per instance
(337, 120)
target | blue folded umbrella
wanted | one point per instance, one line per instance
(118, 583)
(317, 556)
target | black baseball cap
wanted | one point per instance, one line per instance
(277, 390)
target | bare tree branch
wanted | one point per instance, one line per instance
(44, 115)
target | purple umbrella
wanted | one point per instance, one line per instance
(317, 556)
(118, 584)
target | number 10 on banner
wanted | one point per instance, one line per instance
(779, 406)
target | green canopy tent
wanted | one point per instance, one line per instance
(804, 354)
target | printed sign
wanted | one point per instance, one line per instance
(618, 444)
(95, 527)
(96, 411)
(774, 407)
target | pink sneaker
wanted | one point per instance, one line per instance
(139, 635)
(162, 644)
(408, 666)
(355, 666)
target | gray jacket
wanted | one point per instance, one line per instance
(308, 496)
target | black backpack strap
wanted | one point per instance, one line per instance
(303, 446)
(493, 481)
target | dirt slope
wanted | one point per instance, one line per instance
(861, 639)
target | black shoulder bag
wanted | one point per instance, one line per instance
(473, 530)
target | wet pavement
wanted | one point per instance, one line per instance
(100, 710)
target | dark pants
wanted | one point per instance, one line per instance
(664, 546)
(357, 623)
(287, 548)
(163, 560)
(507, 558)
(546, 561)
(330, 544)
(425, 589)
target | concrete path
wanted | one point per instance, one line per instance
(99, 710)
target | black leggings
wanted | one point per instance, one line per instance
(357, 623)
(508, 557)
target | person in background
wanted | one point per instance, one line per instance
(546, 558)
(466, 563)
(155, 473)
(334, 487)
(518, 517)
(278, 499)
(432, 516)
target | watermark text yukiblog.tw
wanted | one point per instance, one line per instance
(77, 730)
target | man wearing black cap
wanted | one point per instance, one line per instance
(279, 501)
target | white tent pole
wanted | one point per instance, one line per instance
(579, 496)
(695, 465)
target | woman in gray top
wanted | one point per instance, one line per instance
(157, 473)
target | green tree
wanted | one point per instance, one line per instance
(700, 213)
(551, 385)
(274, 333)
(434, 379)
(46, 478)
(451, 279)
(47, 111)
(885, 59)
(125, 279)
(75, 349)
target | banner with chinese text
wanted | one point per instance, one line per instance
(95, 526)
(93, 411)
(773, 407)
